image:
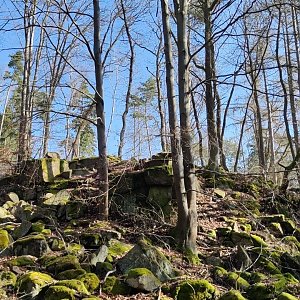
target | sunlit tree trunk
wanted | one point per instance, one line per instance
(101, 135)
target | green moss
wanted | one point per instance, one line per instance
(70, 274)
(195, 290)
(246, 227)
(60, 264)
(138, 272)
(90, 280)
(7, 278)
(286, 296)
(59, 293)
(75, 249)
(258, 241)
(220, 273)
(236, 281)
(191, 257)
(30, 238)
(56, 244)
(212, 234)
(292, 241)
(4, 239)
(37, 227)
(268, 265)
(22, 261)
(74, 284)
(113, 285)
(276, 229)
(91, 240)
(117, 249)
(32, 282)
(260, 291)
(232, 295)
(59, 184)
(257, 277)
(102, 268)
(92, 298)
(46, 232)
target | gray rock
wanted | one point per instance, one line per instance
(22, 230)
(99, 256)
(142, 279)
(144, 255)
(34, 245)
(12, 197)
(61, 198)
(50, 168)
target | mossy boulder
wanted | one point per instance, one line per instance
(258, 241)
(4, 239)
(99, 255)
(38, 227)
(23, 261)
(260, 291)
(102, 268)
(117, 249)
(61, 198)
(31, 283)
(159, 176)
(63, 263)
(24, 211)
(75, 249)
(22, 229)
(70, 274)
(236, 281)
(13, 197)
(144, 255)
(5, 215)
(286, 296)
(50, 168)
(195, 290)
(75, 285)
(56, 244)
(90, 280)
(142, 279)
(291, 263)
(34, 244)
(58, 292)
(91, 240)
(7, 278)
(232, 295)
(114, 286)
(160, 197)
(75, 210)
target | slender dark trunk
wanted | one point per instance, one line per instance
(177, 160)
(129, 85)
(213, 144)
(185, 126)
(101, 135)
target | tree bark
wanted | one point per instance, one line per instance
(177, 159)
(213, 146)
(185, 126)
(101, 135)
(129, 85)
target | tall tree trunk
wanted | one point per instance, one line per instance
(272, 167)
(198, 127)
(177, 159)
(213, 144)
(101, 136)
(129, 85)
(185, 126)
(26, 97)
(281, 79)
